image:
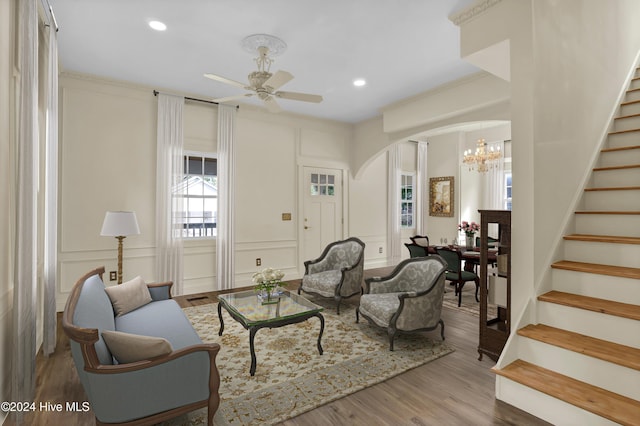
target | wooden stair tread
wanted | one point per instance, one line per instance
(614, 188)
(622, 117)
(615, 353)
(619, 132)
(609, 307)
(622, 148)
(628, 103)
(612, 406)
(603, 238)
(607, 212)
(626, 166)
(596, 268)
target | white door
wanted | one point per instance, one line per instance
(322, 210)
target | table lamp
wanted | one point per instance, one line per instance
(119, 224)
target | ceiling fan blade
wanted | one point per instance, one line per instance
(232, 98)
(276, 80)
(227, 81)
(306, 97)
(272, 105)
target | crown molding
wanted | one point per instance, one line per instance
(470, 12)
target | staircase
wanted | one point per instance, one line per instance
(580, 365)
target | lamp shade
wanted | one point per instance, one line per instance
(119, 224)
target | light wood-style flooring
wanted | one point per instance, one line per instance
(456, 389)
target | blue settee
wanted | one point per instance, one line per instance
(147, 391)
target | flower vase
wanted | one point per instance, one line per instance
(469, 242)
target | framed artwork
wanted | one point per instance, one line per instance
(441, 196)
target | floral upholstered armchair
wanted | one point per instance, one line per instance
(408, 300)
(337, 273)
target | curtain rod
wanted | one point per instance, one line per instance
(155, 93)
(50, 16)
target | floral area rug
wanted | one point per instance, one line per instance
(291, 376)
(469, 303)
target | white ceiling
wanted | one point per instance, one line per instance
(401, 47)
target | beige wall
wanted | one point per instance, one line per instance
(108, 157)
(7, 220)
(569, 61)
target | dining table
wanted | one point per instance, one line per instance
(471, 256)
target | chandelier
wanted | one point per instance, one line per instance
(482, 159)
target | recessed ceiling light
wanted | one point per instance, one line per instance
(359, 82)
(157, 25)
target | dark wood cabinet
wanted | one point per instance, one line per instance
(495, 283)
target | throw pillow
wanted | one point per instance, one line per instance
(126, 347)
(128, 296)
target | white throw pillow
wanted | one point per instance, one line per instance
(129, 295)
(126, 347)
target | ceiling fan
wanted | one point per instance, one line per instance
(263, 83)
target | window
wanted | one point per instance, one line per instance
(322, 184)
(406, 200)
(507, 191)
(199, 192)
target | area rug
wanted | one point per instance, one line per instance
(291, 377)
(469, 304)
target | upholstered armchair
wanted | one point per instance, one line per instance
(337, 273)
(408, 300)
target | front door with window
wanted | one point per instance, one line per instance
(322, 210)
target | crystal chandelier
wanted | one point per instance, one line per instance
(482, 159)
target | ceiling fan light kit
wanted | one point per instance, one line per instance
(262, 82)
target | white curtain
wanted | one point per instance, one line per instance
(494, 194)
(494, 183)
(169, 203)
(422, 189)
(225, 240)
(25, 278)
(394, 237)
(51, 197)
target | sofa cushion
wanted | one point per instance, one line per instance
(129, 295)
(162, 318)
(126, 347)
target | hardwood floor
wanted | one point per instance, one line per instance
(454, 390)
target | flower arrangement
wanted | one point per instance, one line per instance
(469, 228)
(267, 280)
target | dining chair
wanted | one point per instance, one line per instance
(455, 273)
(421, 240)
(416, 250)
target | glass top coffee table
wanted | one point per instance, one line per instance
(246, 308)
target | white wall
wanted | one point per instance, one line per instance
(443, 160)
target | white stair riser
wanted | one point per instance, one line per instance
(628, 200)
(601, 326)
(626, 123)
(546, 407)
(632, 95)
(604, 224)
(615, 178)
(606, 375)
(619, 158)
(603, 253)
(618, 289)
(619, 140)
(635, 83)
